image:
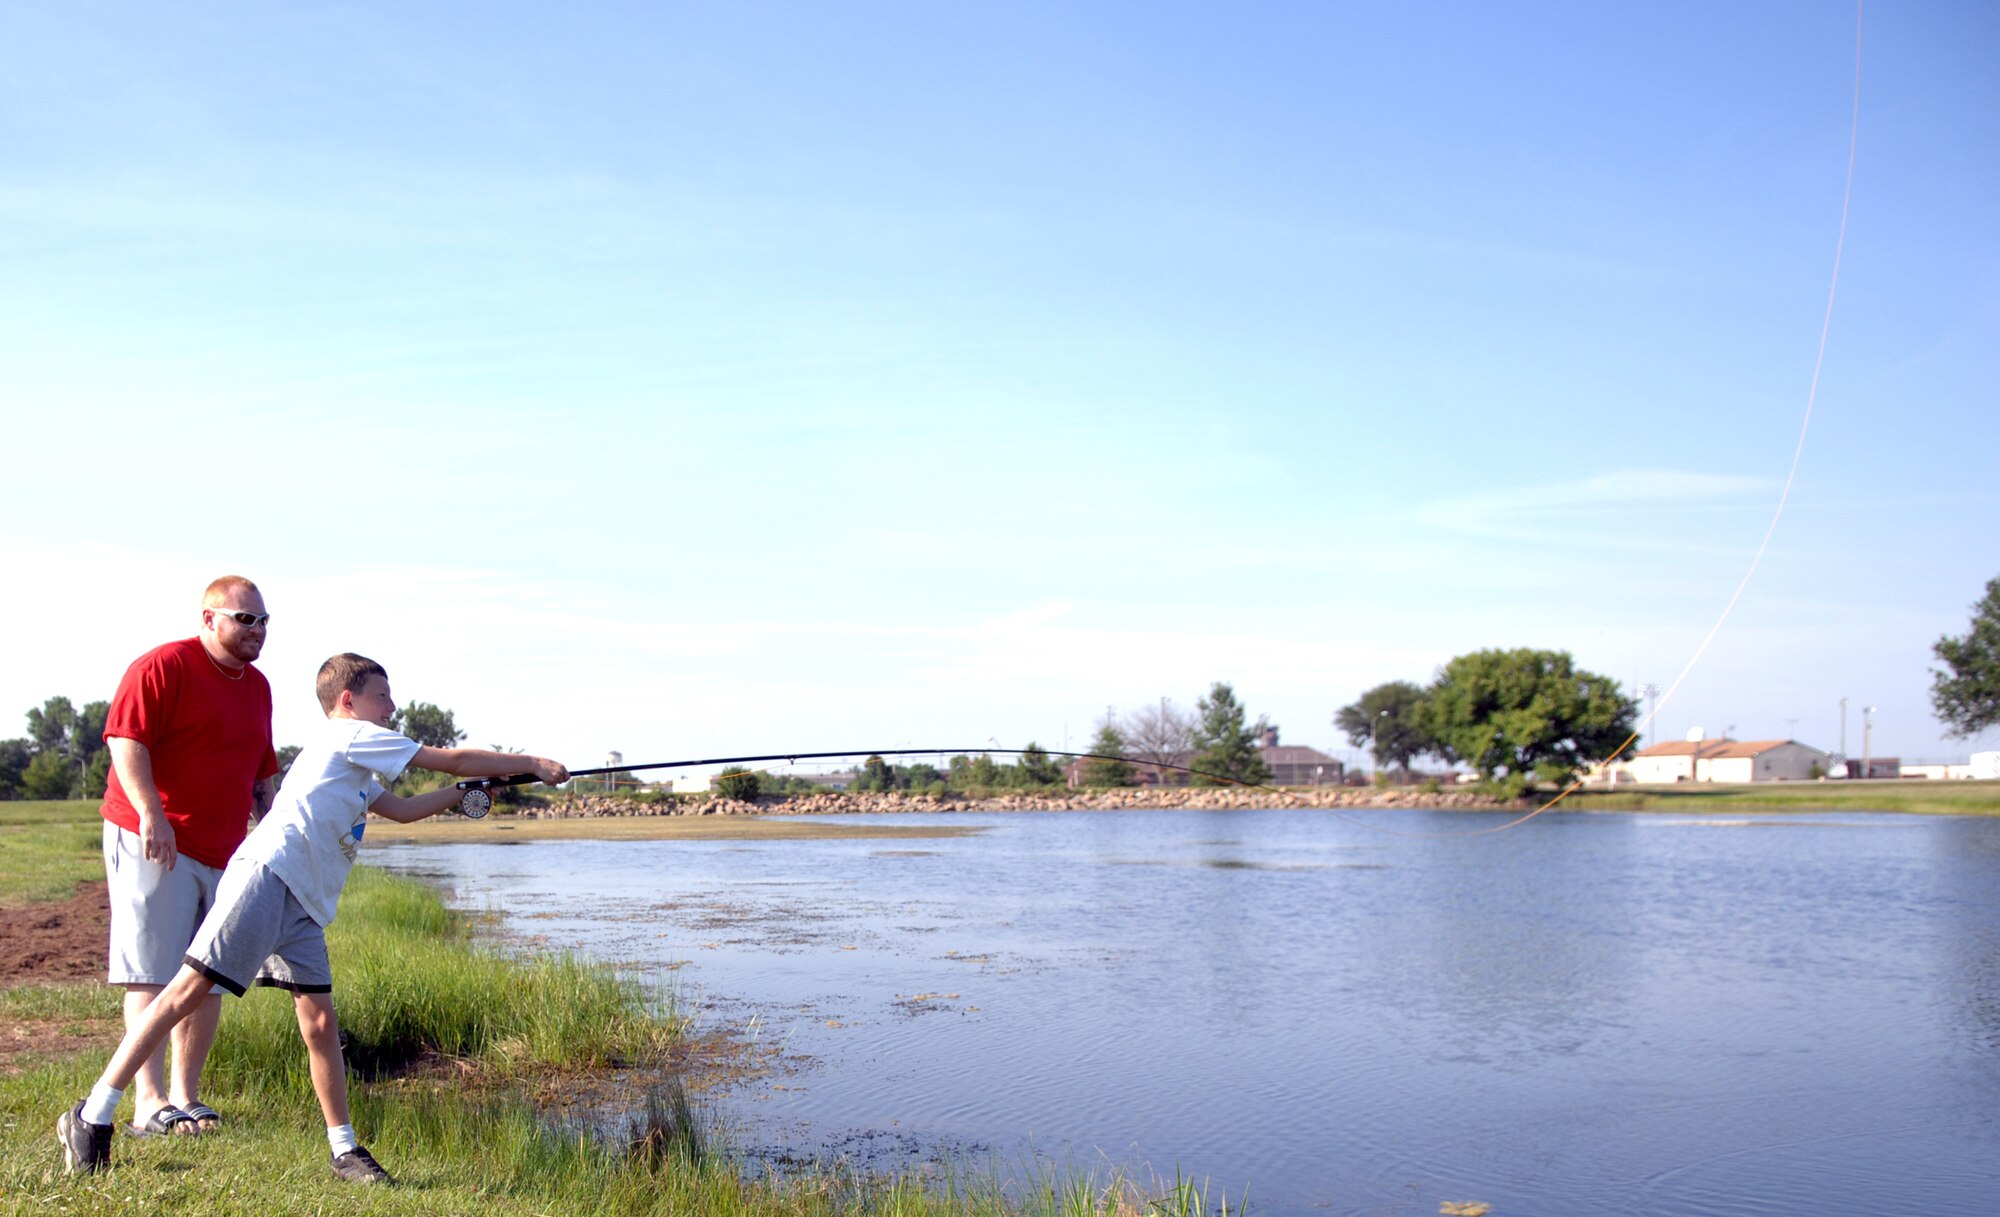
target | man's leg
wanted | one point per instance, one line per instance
(193, 1037)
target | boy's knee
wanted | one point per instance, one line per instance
(316, 1018)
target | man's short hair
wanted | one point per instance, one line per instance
(219, 590)
(345, 672)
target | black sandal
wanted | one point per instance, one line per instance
(165, 1122)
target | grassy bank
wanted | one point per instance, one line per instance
(1919, 797)
(453, 1042)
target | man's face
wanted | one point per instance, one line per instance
(241, 642)
(374, 704)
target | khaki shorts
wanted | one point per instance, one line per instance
(154, 911)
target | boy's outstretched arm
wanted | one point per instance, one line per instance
(466, 763)
(480, 763)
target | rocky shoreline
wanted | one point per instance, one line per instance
(1209, 798)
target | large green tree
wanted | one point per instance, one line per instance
(1385, 719)
(1108, 742)
(1966, 694)
(429, 725)
(1225, 747)
(1526, 713)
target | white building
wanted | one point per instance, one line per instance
(1728, 760)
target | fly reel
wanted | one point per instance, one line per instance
(475, 802)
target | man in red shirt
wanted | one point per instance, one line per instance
(191, 761)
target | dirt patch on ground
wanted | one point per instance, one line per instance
(55, 940)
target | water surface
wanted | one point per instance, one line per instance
(1587, 1014)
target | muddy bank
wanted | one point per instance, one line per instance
(1207, 798)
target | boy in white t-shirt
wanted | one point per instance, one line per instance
(277, 897)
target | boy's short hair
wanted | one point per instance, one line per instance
(345, 671)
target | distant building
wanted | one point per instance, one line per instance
(1877, 767)
(1290, 765)
(1986, 765)
(1940, 773)
(1728, 760)
(1295, 765)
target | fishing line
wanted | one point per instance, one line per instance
(1791, 475)
(475, 802)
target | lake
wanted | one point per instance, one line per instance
(1353, 1012)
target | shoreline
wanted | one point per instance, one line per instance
(1917, 797)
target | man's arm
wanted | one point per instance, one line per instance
(479, 763)
(134, 763)
(261, 795)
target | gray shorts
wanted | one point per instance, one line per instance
(154, 911)
(259, 932)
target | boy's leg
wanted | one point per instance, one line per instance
(320, 1029)
(192, 1038)
(84, 1131)
(187, 993)
(149, 1085)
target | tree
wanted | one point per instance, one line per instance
(290, 753)
(1385, 720)
(14, 757)
(1036, 769)
(738, 783)
(53, 728)
(1159, 735)
(1530, 714)
(1226, 749)
(429, 725)
(50, 776)
(1109, 741)
(96, 775)
(875, 775)
(1966, 698)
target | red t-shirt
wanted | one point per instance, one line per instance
(210, 740)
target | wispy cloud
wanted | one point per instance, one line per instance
(1660, 510)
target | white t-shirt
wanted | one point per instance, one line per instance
(313, 830)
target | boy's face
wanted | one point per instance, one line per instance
(373, 704)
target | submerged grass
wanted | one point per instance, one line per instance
(453, 1037)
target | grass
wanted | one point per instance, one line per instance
(1918, 797)
(48, 848)
(454, 1040)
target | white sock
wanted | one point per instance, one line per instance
(102, 1105)
(341, 1138)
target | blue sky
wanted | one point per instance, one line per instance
(701, 379)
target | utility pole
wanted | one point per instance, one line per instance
(1651, 692)
(1843, 730)
(1867, 748)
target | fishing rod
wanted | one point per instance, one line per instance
(476, 802)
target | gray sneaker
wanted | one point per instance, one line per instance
(357, 1165)
(86, 1147)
